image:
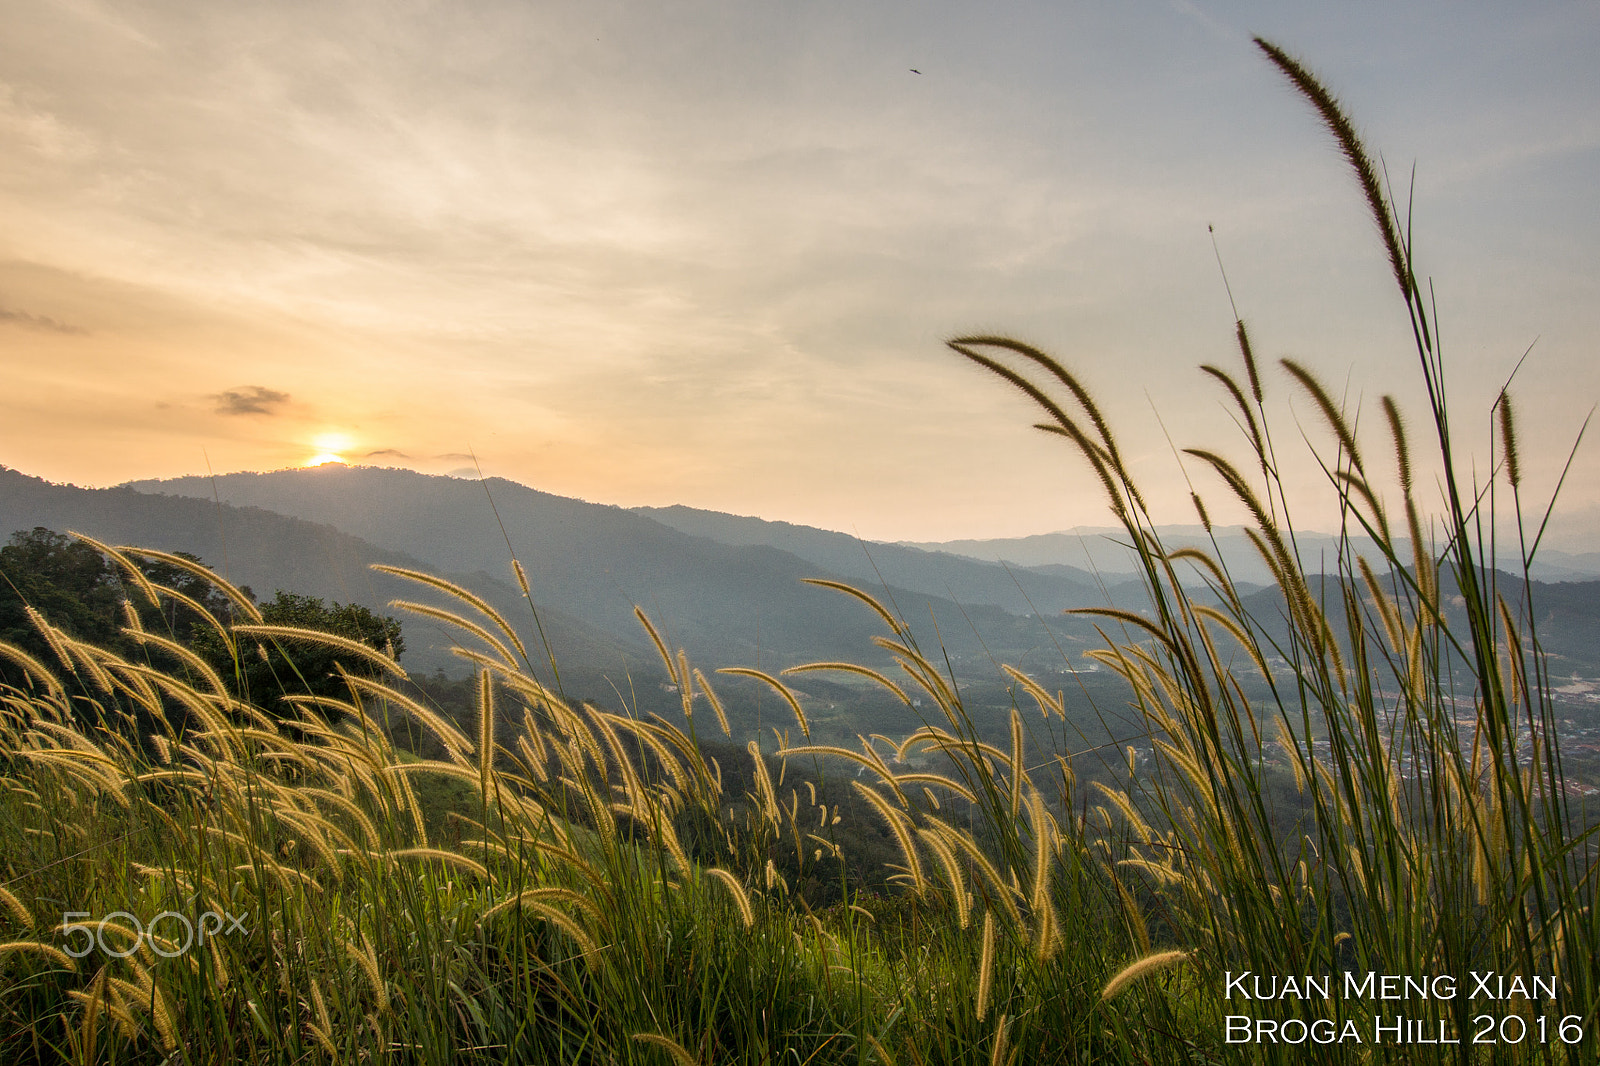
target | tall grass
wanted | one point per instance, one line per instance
(604, 890)
(1435, 833)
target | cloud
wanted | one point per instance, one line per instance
(389, 453)
(44, 322)
(250, 400)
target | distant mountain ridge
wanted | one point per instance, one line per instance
(268, 551)
(1101, 550)
(927, 570)
(728, 589)
(594, 561)
(728, 602)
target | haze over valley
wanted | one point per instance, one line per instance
(730, 590)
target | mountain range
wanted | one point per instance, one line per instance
(1103, 550)
(729, 589)
(316, 530)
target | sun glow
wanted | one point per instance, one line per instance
(329, 446)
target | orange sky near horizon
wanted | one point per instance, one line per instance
(712, 258)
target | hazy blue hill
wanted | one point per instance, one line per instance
(593, 561)
(1088, 550)
(873, 564)
(739, 603)
(727, 604)
(269, 551)
(250, 546)
(1554, 566)
(1566, 614)
(1099, 549)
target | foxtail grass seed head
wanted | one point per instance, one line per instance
(450, 618)
(1048, 704)
(1508, 440)
(14, 905)
(1018, 772)
(367, 961)
(34, 947)
(952, 869)
(780, 688)
(1239, 401)
(1106, 448)
(331, 640)
(1002, 1043)
(1248, 353)
(485, 731)
(51, 637)
(679, 1056)
(472, 599)
(1402, 452)
(1330, 410)
(685, 684)
(716, 704)
(986, 965)
(741, 900)
(1141, 968)
(899, 825)
(243, 604)
(1045, 837)
(850, 590)
(1355, 153)
(879, 1050)
(763, 782)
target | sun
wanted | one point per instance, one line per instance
(329, 446)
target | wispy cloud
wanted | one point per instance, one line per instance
(41, 322)
(250, 400)
(619, 279)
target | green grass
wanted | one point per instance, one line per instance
(565, 883)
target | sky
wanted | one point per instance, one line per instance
(709, 254)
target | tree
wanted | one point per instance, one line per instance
(173, 618)
(67, 582)
(267, 671)
(81, 592)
